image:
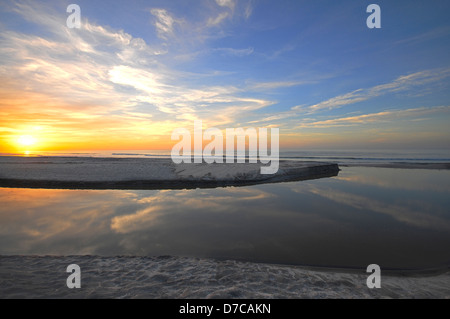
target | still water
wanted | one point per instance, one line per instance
(397, 218)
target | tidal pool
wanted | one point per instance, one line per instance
(397, 218)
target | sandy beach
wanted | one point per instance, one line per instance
(24, 275)
(179, 277)
(162, 173)
(138, 173)
(329, 120)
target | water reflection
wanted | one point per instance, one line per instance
(407, 179)
(348, 221)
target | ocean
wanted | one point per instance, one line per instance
(344, 157)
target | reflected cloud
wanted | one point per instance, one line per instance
(401, 213)
(324, 222)
(411, 179)
(140, 220)
(166, 203)
(53, 221)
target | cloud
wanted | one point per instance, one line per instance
(413, 82)
(164, 22)
(74, 79)
(248, 10)
(217, 20)
(385, 116)
(142, 80)
(243, 9)
(426, 36)
(234, 52)
(226, 3)
(402, 83)
(263, 86)
(349, 98)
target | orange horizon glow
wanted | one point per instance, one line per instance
(37, 122)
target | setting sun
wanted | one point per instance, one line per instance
(26, 140)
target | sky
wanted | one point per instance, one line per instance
(136, 70)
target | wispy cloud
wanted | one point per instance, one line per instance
(234, 52)
(164, 22)
(230, 4)
(385, 116)
(248, 10)
(100, 66)
(398, 212)
(402, 83)
(338, 101)
(226, 3)
(426, 36)
(229, 9)
(275, 85)
(99, 83)
(213, 21)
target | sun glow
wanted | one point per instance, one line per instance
(26, 140)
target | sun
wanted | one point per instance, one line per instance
(26, 140)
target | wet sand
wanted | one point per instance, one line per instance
(179, 277)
